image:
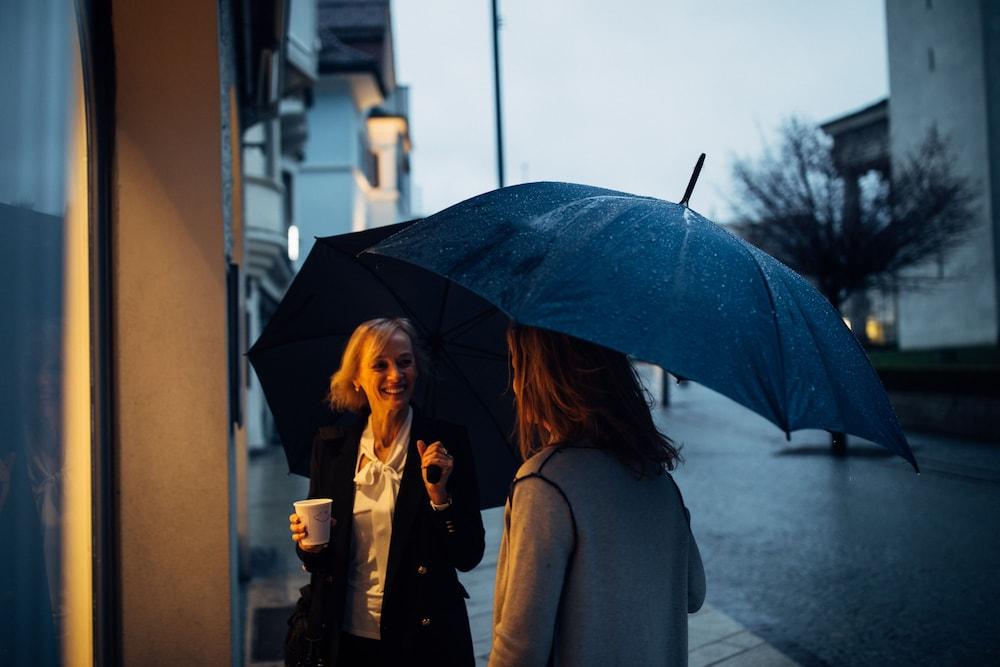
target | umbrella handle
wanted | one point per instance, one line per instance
(694, 179)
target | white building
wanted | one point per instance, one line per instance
(333, 161)
(356, 172)
(944, 70)
(273, 148)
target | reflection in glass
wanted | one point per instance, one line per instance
(40, 124)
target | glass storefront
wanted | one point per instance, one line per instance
(46, 572)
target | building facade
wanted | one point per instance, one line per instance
(273, 149)
(335, 159)
(356, 172)
(944, 71)
(860, 146)
(126, 252)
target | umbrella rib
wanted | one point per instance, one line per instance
(444, 300)
(824, 361)
(463, 326)
(475, 395)
(471, 352)
(905, 452)
(410, 313)
(444, 355)
(257, 351)
(781, 350)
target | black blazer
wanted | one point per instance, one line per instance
(424, 619)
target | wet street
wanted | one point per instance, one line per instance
(854, 561)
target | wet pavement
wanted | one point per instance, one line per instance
(810, 559)
(854, 561)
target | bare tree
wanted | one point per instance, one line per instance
(796, 205)
(849, 237)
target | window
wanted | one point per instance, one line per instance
(46, 572)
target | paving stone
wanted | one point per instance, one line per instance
(711, 654)
(763, 655)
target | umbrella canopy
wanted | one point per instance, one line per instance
(464, 336)
(657, 281)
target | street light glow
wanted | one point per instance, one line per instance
(293, 242)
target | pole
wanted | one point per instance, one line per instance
(496, 92)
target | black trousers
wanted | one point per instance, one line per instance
(357, 651)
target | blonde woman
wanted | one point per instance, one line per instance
(398, 534)
(597, 563)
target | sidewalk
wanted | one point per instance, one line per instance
(713, 637)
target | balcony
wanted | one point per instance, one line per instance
(266, 233)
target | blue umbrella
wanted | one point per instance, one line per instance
(658, 281)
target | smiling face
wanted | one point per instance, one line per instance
(387, 375)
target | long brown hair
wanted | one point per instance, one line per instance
(568, 389)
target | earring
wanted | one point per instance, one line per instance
(357, 388)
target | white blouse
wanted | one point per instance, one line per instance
(375, 488)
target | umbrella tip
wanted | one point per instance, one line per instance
(693, 180)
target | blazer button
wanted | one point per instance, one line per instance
(425, 621)
(422, 570)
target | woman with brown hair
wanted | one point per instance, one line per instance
(597, 564)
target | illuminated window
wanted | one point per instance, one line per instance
(46, 571)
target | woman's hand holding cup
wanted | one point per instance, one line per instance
(311, 512)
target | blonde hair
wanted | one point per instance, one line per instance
(368, 339)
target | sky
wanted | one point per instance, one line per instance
(625, 94)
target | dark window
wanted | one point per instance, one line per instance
(288, 181)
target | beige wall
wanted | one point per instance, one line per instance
(170, 336)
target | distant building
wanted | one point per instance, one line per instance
(334, 159)
(944, 70)
(356, 169)
(273, 149)
(861, 145)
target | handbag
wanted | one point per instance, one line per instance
(305, 643)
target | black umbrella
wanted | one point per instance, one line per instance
(658, 281)
(334, 291)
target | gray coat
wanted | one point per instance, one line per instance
(596, 567)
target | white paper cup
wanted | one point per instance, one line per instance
(315, 516)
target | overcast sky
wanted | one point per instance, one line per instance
(625, 93)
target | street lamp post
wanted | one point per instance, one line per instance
(496, 91)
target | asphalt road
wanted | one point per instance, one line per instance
(855, 561)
